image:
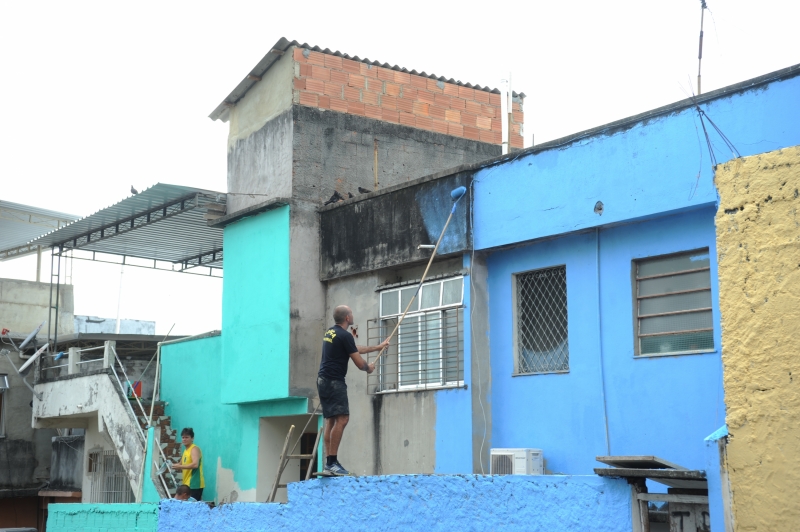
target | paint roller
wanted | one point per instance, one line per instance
(456, 194)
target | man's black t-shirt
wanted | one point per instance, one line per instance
(337, 346)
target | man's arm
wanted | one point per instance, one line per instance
(360, 362)
(195, 453)
(364, 349)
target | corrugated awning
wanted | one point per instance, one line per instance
(21, 223)
(164, 223)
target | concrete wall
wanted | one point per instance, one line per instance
(66, 470)
(228, 434)
(107, 517)
(93, 324)
(423, 503)
(24, 305)
(654, 405)
(759, 281)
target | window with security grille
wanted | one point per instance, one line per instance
(428, 350)
(542, 344)
(673, 304)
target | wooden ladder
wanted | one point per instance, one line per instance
(286, 456)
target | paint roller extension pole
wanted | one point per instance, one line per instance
(456, 195)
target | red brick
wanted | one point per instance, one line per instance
(409, 92)
(375, 86)
(469, 120)
(333, 89)
(420, 108)
(316, 58)
(442, 100)
(369, 97)
(368, 71)
(404, 104)
(433, 85)
(472, 133)
(451, 89)
(434, 111)
(388, 102)
(350, 66)
(298, 55)
(466, 93)
(315, 85)
(484, 122)
(320, 73)
(494, 99)
(481, 96)
(402, 77)
(373, 111)
(331, 61)
(424, 122)
(516, 141)
(419, 82)
(458, 103)
(390, 116)
(425, 96)
(408, 119)
(338, 105)
(515, 128)
(355, 108)
(306, 98)
(351, 94)
(515, 106)
(497, 124)
(451, 115)
(456, 130)
(305, 70)
(490, 111)
(324, 102)
(385, 74)
(340, 77)
(474, 107)
(354, 80)
(392, 89)
(518, 117)
(487, 136)
(299, 84)
(440, 126)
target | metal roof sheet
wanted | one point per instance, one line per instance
(163, 223)
(284, 44)
(21, 223)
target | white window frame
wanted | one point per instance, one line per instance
(439, 309)
(4, 385)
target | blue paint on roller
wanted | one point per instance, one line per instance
(458, 193)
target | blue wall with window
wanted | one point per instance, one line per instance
(537, 211)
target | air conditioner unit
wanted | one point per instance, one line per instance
(516, 462)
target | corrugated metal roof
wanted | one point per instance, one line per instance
(284, 44)
(21, 223)
(164, 223)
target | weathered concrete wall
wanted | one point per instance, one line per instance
(758, 241)
(478, 332)
(24, 305)
(106, 517)
(66, 469)
(93, 324)
(425, 503)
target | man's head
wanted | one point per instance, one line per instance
(187, 436)
(182, 493)
(342, 315)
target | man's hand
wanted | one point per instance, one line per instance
(384, 345)
(370, 367)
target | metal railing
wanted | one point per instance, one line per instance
(108, 479)
(542, 344)
(427, 352)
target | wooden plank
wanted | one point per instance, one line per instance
(281, 466)
(667, 497)
(46, 493)
(299, 456)
(678, 474)
(639, 462)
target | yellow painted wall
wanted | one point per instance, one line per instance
(758, 242)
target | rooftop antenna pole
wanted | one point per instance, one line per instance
(703, 8)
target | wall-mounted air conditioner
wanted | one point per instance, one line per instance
(516, 462)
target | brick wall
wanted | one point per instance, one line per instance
(326, 81)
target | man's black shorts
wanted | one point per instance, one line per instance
(333, 397)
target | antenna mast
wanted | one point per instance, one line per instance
(703, 8)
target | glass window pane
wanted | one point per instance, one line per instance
(542, 339)
(430, 295)
(676, 343)
(408, 348)
(452, 362)
(432, 355)
(405, 296)
(676, 322)
(451, 291)
(674, 283)
(678, 263)
(389, 303)
(657, 305)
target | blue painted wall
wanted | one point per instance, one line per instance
(426, 503)
(647, 170)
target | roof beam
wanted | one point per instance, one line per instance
(203, 259)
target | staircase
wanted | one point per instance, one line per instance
(168, 439)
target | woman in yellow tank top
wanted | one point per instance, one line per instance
(191, 464)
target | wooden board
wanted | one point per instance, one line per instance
(683, 478)
(639, 462)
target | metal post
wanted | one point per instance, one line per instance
(38, 264)
(510, 109)
(700, 50)
(375, 165)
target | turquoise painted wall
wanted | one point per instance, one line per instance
(227, 434)
(105, 517)
(255, 309)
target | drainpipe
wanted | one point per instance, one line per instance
(600, 341)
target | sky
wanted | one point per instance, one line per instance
(102, 96)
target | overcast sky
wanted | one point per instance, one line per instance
(99, 96)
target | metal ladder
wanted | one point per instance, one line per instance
(285, 457)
